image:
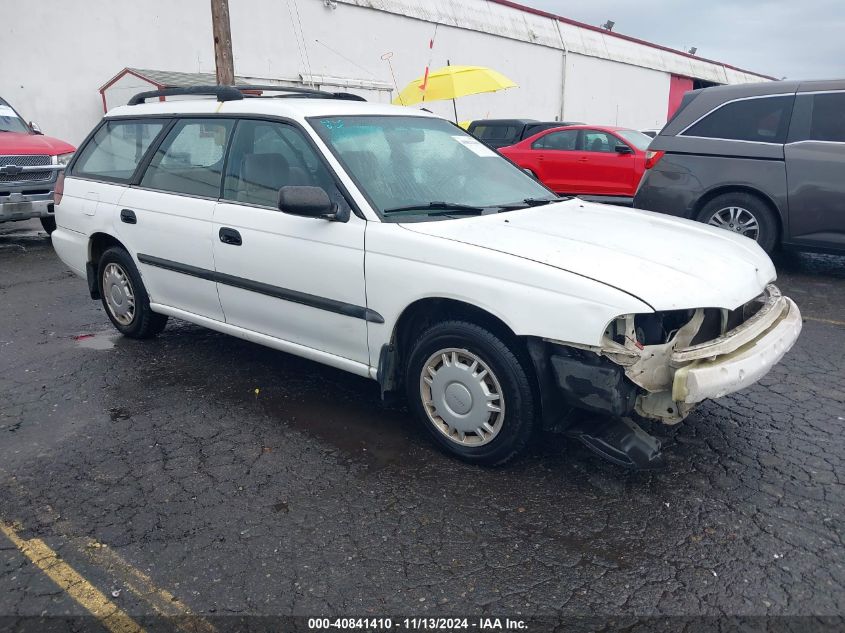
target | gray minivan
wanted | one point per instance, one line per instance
(766, 160)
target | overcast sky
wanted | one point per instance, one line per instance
(799, 39)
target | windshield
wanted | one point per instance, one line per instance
(10, 121)
(422, 168)
(637, 139)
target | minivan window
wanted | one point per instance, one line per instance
(760, 120)
(828, 117)
(116, 148)
(190, 159)
(267, 156)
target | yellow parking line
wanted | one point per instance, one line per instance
(818, 320)
(75, 585)
(162, 601)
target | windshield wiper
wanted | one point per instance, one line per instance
(438, 206)
(528, 202)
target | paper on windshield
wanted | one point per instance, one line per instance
(475, 146)
(7, 111)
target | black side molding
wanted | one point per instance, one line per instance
(285, 294)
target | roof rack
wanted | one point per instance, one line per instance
(236, 93)
(296, 91)
(223, 93)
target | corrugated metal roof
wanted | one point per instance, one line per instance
(518, 22)
(173, 79)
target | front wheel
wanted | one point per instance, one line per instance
(472, 392)
(125, 298)
(744, 214)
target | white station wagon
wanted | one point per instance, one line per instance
(390, 243)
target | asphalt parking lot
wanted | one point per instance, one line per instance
(198, 473)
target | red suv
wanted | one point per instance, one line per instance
(596, 161)
(29, 165)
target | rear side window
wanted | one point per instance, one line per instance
(116, 149)
(760, 120)
(566, 140)
(827, 122)
(190, 159)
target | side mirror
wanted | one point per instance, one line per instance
(621, 148)
(34, 127)
(310, 202)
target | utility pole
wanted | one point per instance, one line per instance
(222, 42)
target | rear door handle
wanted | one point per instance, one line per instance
(230, 236)
(128, 216)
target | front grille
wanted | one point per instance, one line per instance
(32, 160)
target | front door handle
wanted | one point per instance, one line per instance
(230, 236)
(128, 216)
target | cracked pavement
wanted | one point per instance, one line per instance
(247, 481)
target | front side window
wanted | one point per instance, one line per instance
(116, 149)
(409, 161)
(599, 142)
(566, 140)
(190, 159)
(761, 120)
(827, 122)
(267, 156)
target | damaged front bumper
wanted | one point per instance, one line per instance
(708, 353)
(745, 355)
(698, 354)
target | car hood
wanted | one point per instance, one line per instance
(12, 143)
(668, 263)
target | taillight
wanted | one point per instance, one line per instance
(60, 188)
(652, 158)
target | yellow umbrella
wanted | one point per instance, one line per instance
(451, 82)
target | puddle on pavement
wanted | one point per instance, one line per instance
(98, 341)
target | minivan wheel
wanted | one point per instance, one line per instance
(744, 214)
(125, 298)
(471, 392)
(48, 223)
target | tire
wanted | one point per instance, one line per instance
(124, 296)
(722, 211)
(49, 224)
(467, 396)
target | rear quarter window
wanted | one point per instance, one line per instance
(116, 148)
(759, 120)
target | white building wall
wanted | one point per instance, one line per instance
(56, 84)
(600, 91)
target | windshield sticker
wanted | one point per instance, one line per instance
(332, 125)
(475, 146)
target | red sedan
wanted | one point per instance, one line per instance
(584, 159)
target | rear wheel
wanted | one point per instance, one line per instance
(49, 224)
(471, 392)
(745, 214)
(125, 298)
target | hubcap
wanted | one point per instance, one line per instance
(736, 219)
(120, 298)
(462, 397)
